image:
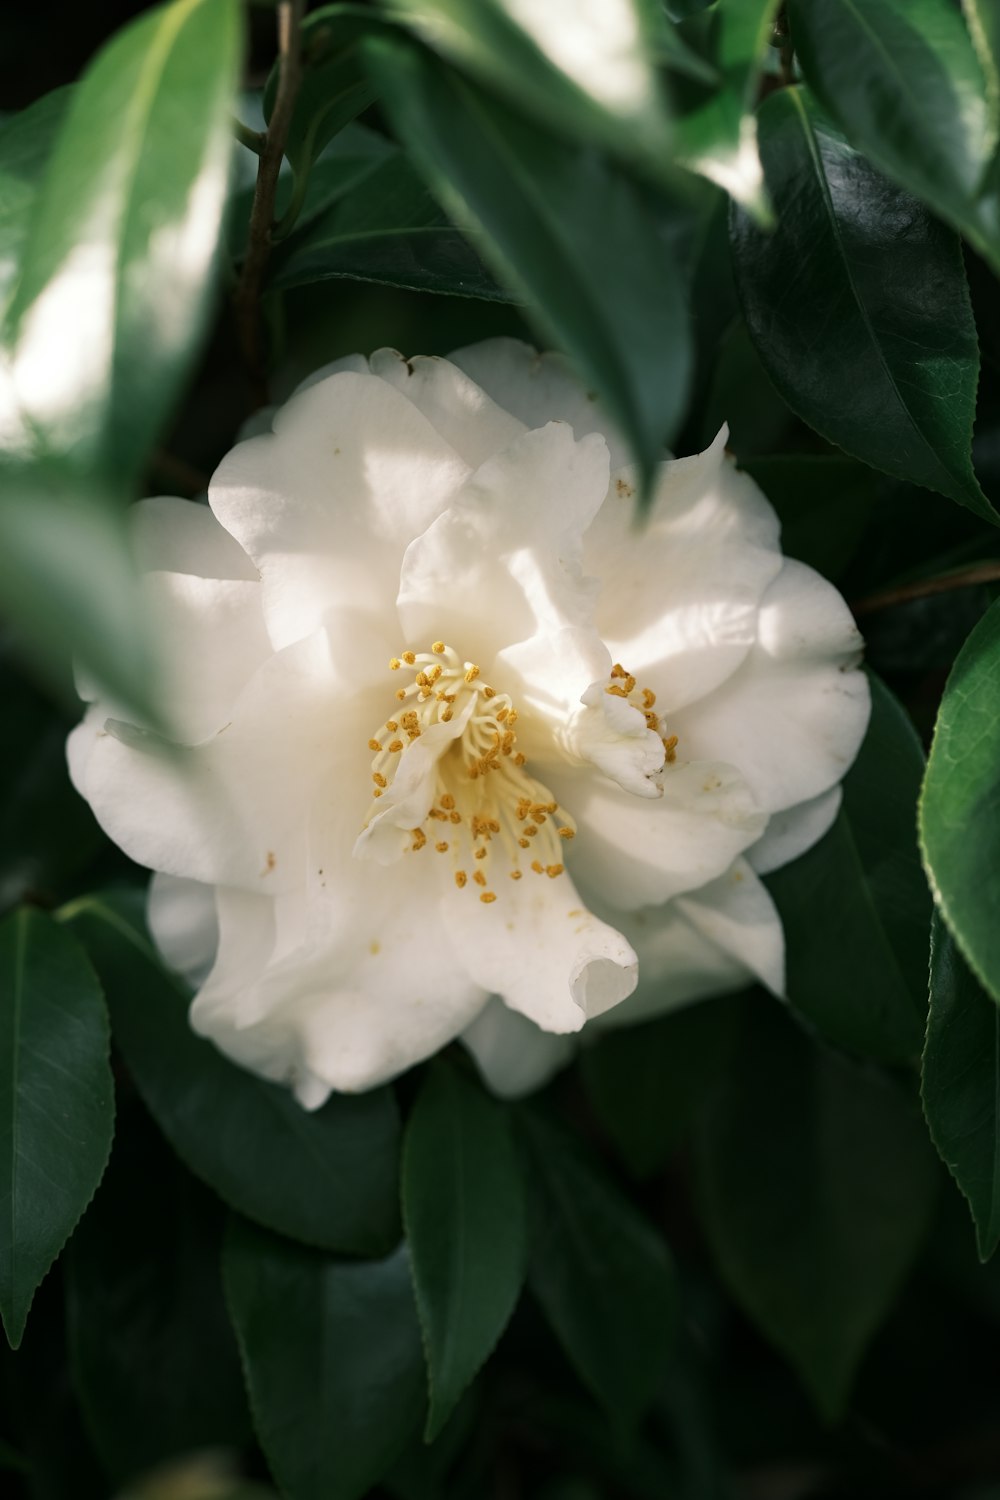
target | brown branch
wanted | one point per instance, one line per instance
(963, 578)
(248, 291)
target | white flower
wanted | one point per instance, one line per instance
(420, 658)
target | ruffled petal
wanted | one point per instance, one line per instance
(538, 388)
(327, 504)
(513, 1055)
(713, 941)
(464, 415)
(790, 833)
(183, 925)
(794, 715)
(540, 949)
(181, 536)
(680, 593)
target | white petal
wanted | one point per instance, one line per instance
(635, 852)
(713, 941)
(680, 593)
(794, 715)
(183, 924)
(465, 416)
(790, 833)
(613, 736)
(327, 504)
(541, 950)
(181, 536)
(372, 988)
(514, 1056)
(538, 388)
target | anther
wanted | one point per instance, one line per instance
(479, 877)
(553, 870)
(379, 779)
(538, 867)
(487, 897)
(461, 879)
(442, 847)
(394, 664)
(396, 746)
(409, 658)
(566, 833)
(471, 671)
(438, 648)
(448, 801)
(516, 874)
(374, 745)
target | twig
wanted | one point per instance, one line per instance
(254, 140)
(248, 291)
(963, 578)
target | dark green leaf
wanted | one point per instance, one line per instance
(334, 88)
(823, 502)
(328, 1178)
(904, 83)
(557, 225)
(961, 1083)
(960, 803)
(56, 1102)
(817, 1181)
(647, 1083)
(25, 143)
(859, 307)
(122, 241)
(601, 1273)
(856, 909)
(463, 1207)
(386, 227)
(332, 1357)
(153, 1356)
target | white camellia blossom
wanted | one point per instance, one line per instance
(462, 750)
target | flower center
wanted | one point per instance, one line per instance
(483, 809)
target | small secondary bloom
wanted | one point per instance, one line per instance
(461, 751)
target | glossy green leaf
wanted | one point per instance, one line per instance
(960, 802)
(586, 72)
(56, 1102)
(961, 1083)
(647, 1083)
(557, 225)
(326, 1177)
(855, 907)
(463, 1207)
(718, 135)
(152, 1354)
(816, 1180)
(332, 1358)
(387, 228)
(25, 144)
(601, 1273)
(859, 307)
(903, 81)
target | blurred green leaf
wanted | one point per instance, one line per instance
(384, 227)
(25, 145)
(823, 502)
(903, 81)
(961, 1083)
(855, 907)
(332, 1357)
(960, 802)
(602, 1275)
(463, 1207)
(557, 224)
(817, 1181)
(56, 1102)
(153, 1357)
(647, 1083)
(859, 307)
(327, 1177)
(585, 71)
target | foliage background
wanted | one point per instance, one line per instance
(721, 1258)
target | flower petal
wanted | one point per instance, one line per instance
(790, 833)
(680, 594)
(794, 715)
(181, 536)
(473, 425)
(183, 925)
(514, 1056)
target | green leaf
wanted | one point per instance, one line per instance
(823, 501)
(122, 242)
(56, 1102)
(718, 135)
(557, 225)
(463, 1207)
(327, 1178)
(904, 83)
(960, 802)
(386, 228)
(817, 1181)
(961, 1083)
(647, 1083)
(859, 307)
(153, 1357)
(586, 72)
(25, 144)
(332, 1358)
(855, 907)
(601, 1273)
